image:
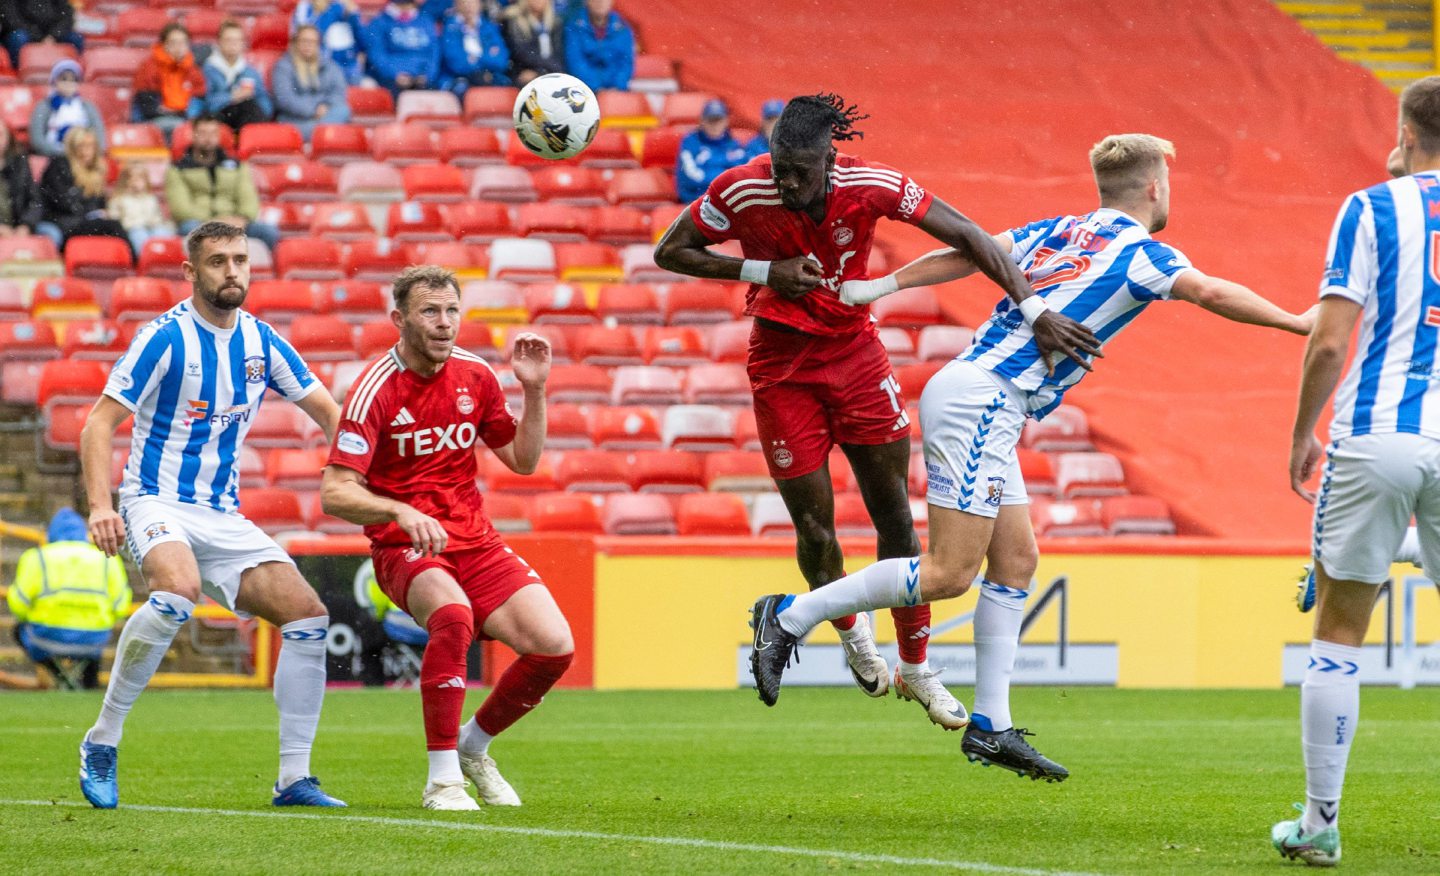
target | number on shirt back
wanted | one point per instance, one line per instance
(1047, 270)
(891, 387)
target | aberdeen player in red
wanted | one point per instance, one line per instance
(403, 464)
(805, 217)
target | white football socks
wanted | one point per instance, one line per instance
(1329, 711)
(998, 615)
(299, 693)
(473, 740)
(886, 584)
(445, 767)
(143, 643)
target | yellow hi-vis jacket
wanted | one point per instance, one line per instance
(70, 585)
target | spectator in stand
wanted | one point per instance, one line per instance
(536, 39)
(600, 47)
(72, 192)
(136, 208)
(207, 184)
(403, 48)
(769, 114)
(234, 90)
(472, 50)
(341, 34)
(310, 89)
(169, 87)
(62, 110)
(38, 21)
(19, 196)
(707, 152)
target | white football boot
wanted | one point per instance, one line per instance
(871, 672)
(924, 687)
(489, 784)
(448, 797)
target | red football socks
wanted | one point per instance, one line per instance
(519, 690)
(442, 674)
(843, 623)
(912, 631)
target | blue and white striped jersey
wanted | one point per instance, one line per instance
(1100, 269)
(1384, 255)
(195, 390)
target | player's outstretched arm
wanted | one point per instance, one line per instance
(107, 530)
(1238, 304)
(1324, 360)
(937, 266)
(531, 364)
(343, 494)
(685, 250)
(321, 407)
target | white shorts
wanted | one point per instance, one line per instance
(1370, 488)
(971, 427)
(225, 544)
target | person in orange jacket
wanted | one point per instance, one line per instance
(169, 84)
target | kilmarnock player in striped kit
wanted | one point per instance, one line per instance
(194, 378)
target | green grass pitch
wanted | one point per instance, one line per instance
(1162, 782)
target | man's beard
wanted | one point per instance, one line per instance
(225, 297)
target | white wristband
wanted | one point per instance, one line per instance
(1032, 307)
(860, 292)
(753, 271)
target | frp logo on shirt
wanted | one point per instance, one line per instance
(711, 216)
(351, 443)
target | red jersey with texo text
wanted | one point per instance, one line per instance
(743, 204)
(413, 438)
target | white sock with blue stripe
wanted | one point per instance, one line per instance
(886, 584)
(143, 643)
(299, 693)
(1329, 711)
(998, 615)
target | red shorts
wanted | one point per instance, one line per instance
(813, 392)
(489, 574)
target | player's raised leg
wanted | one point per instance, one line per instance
(174, 580)
(276, 592)
(531, 624)
(439, 604)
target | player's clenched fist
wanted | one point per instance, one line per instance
(106, 530)
(426, 534)
(793, 278)
(530, 360)
(1058, 336)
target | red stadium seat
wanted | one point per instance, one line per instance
(580, 186)
(673, 345)
(415, 222)
(270, 33)
(400, 144)
(512, 185)
(629, 304)
(61, 298)
(308, 258)
(711, 514)
(114, 65)
(667, 471)
(203, 24)
(433, 108)
(625, 109)
(296, 181)
(943, 342)
(662, 147)
(683, 108)
(478, 222)
(553, 222)
(112, 103)
(498, 477)
(1136, 515)
(522, 260)
(279, 425)
(101, 340)
(912, 378)
(135, 142)
(98, 258)
(469, 147)
(567, 427)
(698, 427)
(1066, 519)
(610, 150)
(769, 518)
(642, 189)
(717, 384)
(654, 74)
(507, 513)
(13, 307)
(730, 341)
(280, 301)
(619, 225)
(737, 471)
(377, 260)
(323, 338)
(76, 381)
(625, 428)
(593, 471)
(645, 385)
(601, 345)
(490, 107)
(271, 143)
(638, 262)
(558, 303)
(587, 262)
(161, 258)
(851, 518)
(20, 380)
(63, 424)
(662, 217)
(375, 337)
(564, 512)
(631, 514)
(354, 301)
(1089, 474)
(290, 469)
(697, 303)
(492, 301)
(464, 261)
(433, 183)
(1063, 429)
(908, 308)
(37, 58)
(576, 384)
(1037, 471)
(339, 144)
(273, 510)
(370, 182)
(341, 221)
(139, 299)
(370, 105)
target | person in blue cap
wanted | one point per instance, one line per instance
(66, 598)
(707, 152)
(769, 113)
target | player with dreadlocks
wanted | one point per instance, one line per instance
(805, 217)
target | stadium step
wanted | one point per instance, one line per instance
(1394, 40)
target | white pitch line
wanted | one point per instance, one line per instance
(551, 833)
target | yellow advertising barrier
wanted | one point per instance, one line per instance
(1174, 621)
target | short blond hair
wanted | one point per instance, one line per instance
(1125, 163)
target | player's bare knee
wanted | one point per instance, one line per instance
(1014, 568)
(947, 576)
(182, 586)
(814, 534)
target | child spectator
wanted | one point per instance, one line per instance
(472, 50)
(234, 90)
(136, 208)
(536, 40)
(62, 110)
(402, 49)
(600, 47)
(72, 192)
(340, 30)
(169, 87)
(19, 196)
(38, 21)
(309, 88)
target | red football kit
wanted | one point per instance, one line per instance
(819, 373)
(413, 439)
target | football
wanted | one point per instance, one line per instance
(556, 116)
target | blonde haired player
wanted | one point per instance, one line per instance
(1101, 269)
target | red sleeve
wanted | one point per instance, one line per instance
(711, 214)
(497, 421)
(908, 204)
(356, 440)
